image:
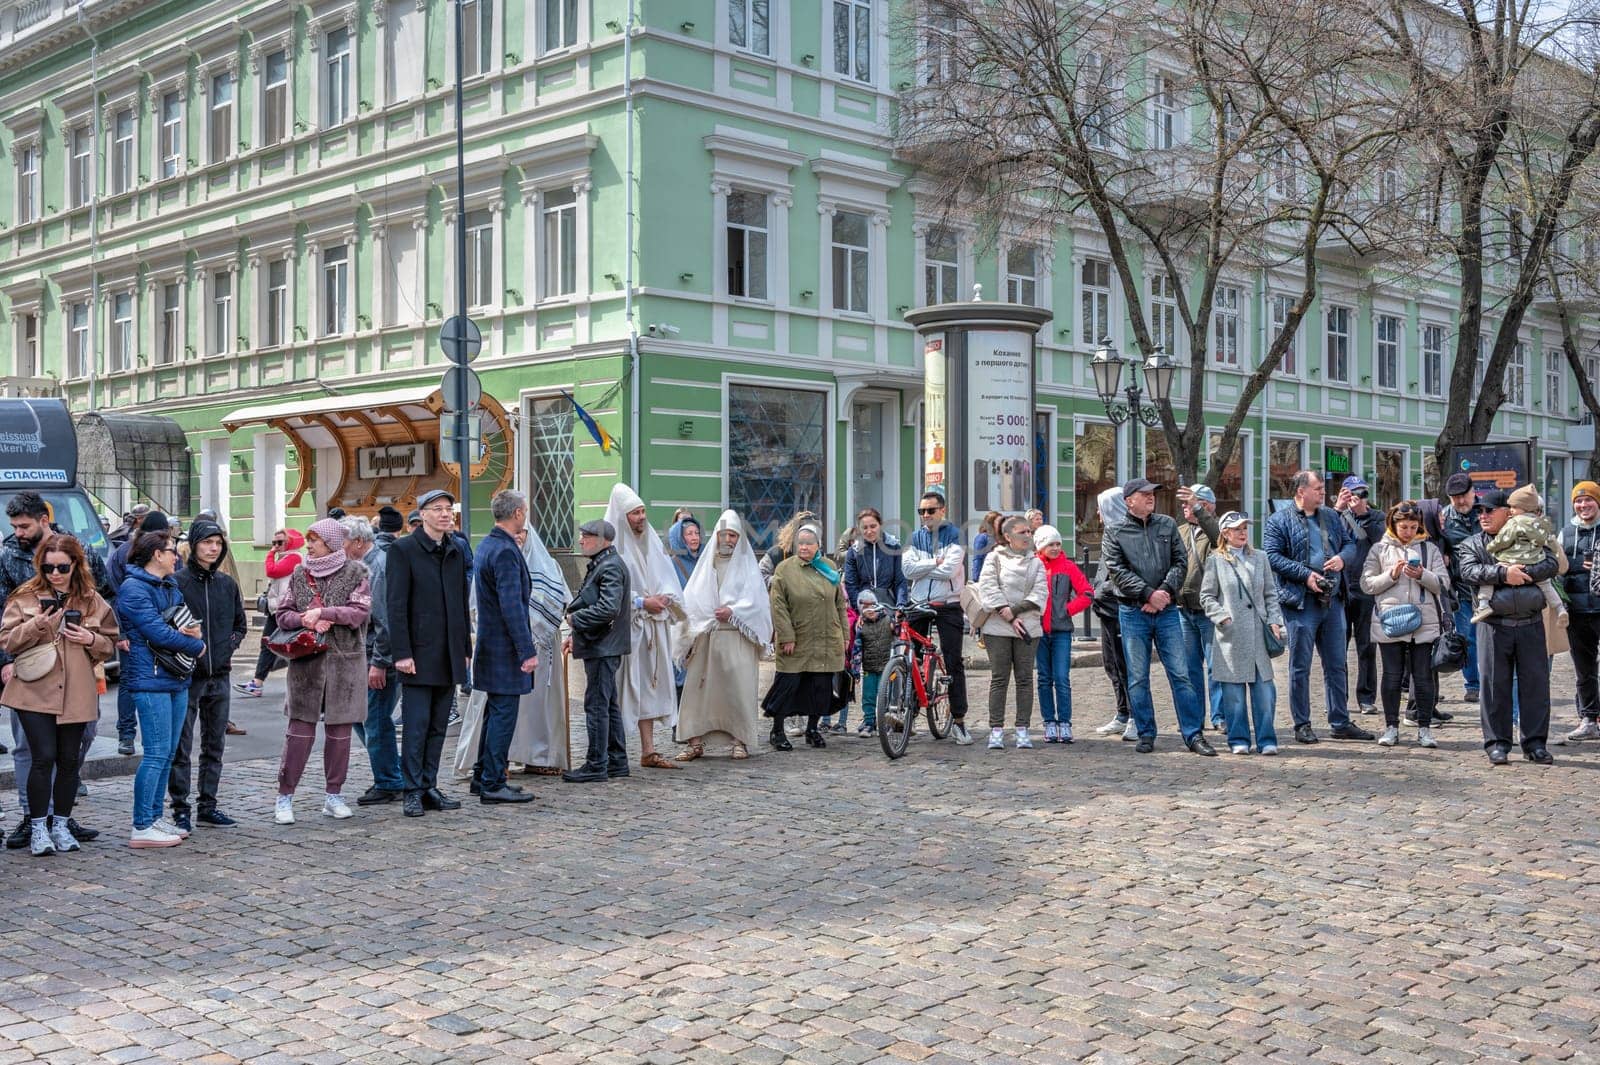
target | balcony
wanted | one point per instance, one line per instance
(29, 28)
(29, 387)
(1177, 183)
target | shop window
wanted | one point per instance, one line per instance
(1043, 464)
(1094, 469)
(1338, 462)
(1160, 468)
(777, 456)
(1230, 486)
(1389, 485)
(1286, 456)
(552, 489)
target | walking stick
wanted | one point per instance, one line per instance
(566, 701)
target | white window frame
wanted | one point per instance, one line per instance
(856, 256)
(123, 333)
(333, 303)
(554, 256)
(282, 104)
(80, 166)
(220, 310)
(1227, 327)
(852, 11)
(1023, 288)
(484, 59)
(223, 112)
(1095, 92)
(1555, 373)
(1388, 182)
(78, 340)
(1337, 343)
(1279, 306)
(29, 198)
(124, 151)
(1166, 113)
(1390, 349)
(169, 322)
(170, 157)
(482, 225)
(394, 13)
(279, 316)
(1480, 366)
(940, 271)
(936, 62)
(1516, 377)
(753, 287)
(1091, 329)
(1432, 384)
(569, 34)
(27, 359)
(1283, 172)
(336, 70)
(748, 9)
(1166, 325)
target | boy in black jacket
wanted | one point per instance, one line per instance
(213, 597)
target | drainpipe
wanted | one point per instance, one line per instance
(634, 419)
(94, 215)
(1263, 450)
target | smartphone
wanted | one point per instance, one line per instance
(50, 605)
(73, 617)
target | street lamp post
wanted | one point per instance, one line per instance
(1159, 370)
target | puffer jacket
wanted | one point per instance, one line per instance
(1477, 567)
(1424, 593)
(1143, 557)
(140, 603)
(1578, 541)
(1014, 579)
(876, 566)
(1286, 541)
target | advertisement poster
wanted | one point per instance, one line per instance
(934, 444)
(1506, 465)
(1000, 421)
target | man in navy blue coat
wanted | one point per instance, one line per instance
(505, 658)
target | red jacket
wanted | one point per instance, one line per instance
(1070, 594)
(281, 566)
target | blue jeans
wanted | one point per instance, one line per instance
(1197, 629)
(1263, 695)
(161, 717)
(127, 719)
(494, 742)
(377, 735)
(1053, 662)
(1318, 628)
(1464, 625)
(1165, 631)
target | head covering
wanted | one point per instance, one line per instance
(155, 521)
(819, 561)
(1113, 508)
(330, 532)
(1457, 484)
(867, 598)
(1204, 494)
(414, 518)
(1586, 488)
(205, 529)
(1044, 536)
(1355, 482)
(1137, 485)
(1526, 499)
(649, 569)
(683, 560)
(430, 496)
(389, 520)
(1232, 520)
(547, 601)
(734, 582)
(206, 515)
(601, 528)
(1495, 498)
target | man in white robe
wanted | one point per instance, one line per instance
(646, 687)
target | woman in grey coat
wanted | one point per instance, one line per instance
(1240, 595)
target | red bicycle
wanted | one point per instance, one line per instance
(914, 681)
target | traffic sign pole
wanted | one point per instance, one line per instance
(461, 276)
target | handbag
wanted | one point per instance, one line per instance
(291, 645)
(1402, 620)
(1450, 649)
(972, 606)
(36, 662)
(175, 663)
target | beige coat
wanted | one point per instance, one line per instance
(1016, 580)
(1395, 591)
(69, 691)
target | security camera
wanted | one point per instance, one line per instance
(670, 330)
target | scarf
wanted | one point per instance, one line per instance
(733, 580)
(684, 560)
(327, 565)
(818, 562)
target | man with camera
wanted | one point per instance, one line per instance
(1313, 555)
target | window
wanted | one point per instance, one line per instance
(852, 39)
(1022, 275)
(1164, 312)
(850, 284)
(480, 259)
(1282, 307)
(478, 47)
(121, 331)
(122, 151)
(552, 481)
(275, 98)
(777, 455)
(1094, 301)
(78, 179)
(402, 28)
(560, 243)
(749, 26)
(28, 346)
(1286, 456)
(1554, 371)
(941, 271)
(1433, 360)
(171, 346)
(747, 244)
(220, 135)
(171, 134)
(275, 322)
(1388, 351)
(939, 50)
(335, 290)
(77, 340)
(1163, 113)
(560, 24)
(1516, 383)
(1095, 100)
(400, 286)
(1338, 345)
(1389, 185)
(28, 184)
(336, 83)
(1389, 487)
(1481, 368)
(1281, 174)
(1225, 326)
(1591, 370)
(218, 328)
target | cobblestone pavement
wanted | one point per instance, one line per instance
(1339, 903)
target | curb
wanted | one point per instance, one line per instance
(117, 765)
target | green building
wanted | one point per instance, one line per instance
(241, 217)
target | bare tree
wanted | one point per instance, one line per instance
(1034, 114)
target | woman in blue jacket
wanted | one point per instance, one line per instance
(874, 562)
(160, 697)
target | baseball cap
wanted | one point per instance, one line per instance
(1458, 484)
(433, 496)
(1137, 485)
(1204, 494)
(1233, 519)
(1354, 483)
(1495, 498)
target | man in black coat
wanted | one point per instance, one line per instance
(213, 597)
(429, 641)
(601, 635)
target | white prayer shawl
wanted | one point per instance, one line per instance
(738, 584)
(646, 687)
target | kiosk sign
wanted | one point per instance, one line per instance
(1000, 420)
(934, 440)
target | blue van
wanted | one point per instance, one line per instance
(39, 452)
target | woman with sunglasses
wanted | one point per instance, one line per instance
(160, 696)
(1408, 577)
(57, 629)
(282, 559)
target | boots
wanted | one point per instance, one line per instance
(814, 734)
(778, 739)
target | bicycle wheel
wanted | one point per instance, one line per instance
(939, 719)
(897, 706)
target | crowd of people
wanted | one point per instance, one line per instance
(371, 616)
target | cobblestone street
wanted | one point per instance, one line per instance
(1341, 902)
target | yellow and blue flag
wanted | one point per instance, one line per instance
(601, 437)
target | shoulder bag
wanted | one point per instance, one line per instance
(1450, 649)
(36, 662)
(1275, 647)
(292, 645)
(175, 663)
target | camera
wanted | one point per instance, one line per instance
(1324, 585)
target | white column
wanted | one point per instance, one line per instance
(314, 257)
(380, 277)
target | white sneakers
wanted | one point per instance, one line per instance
(997, 739)
(1131, 733)
(1024, 741)
(152, 837)
(962, 736)
(1240, 748)
(61, 835)
(1049, 732)
(1269, 748)
(1390, 737)
(166, 825)
(283, 810)
(1112, 727)
(335, 807)
(1589, 730)
(1425, 738)
(1064, 731)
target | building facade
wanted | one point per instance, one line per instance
(243, 217)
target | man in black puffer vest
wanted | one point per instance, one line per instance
(1583, 606)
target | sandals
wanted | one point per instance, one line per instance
(691, 751)
(543, 771)
(739, 751)
(653, 760)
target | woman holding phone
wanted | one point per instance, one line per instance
(1407, 575)
(57, 629)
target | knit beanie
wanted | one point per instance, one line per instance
(1044, 536)
(1526, 499)
(390, 520)
(1586, 488)
(331, 532)
(155, 521)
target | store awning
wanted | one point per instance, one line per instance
(147, 451)
(388, 443)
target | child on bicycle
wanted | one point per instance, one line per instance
(869, 656)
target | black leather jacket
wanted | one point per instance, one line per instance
(599, 613)
(1478, 567)
(1143, 557)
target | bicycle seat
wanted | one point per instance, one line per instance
(920, 613)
